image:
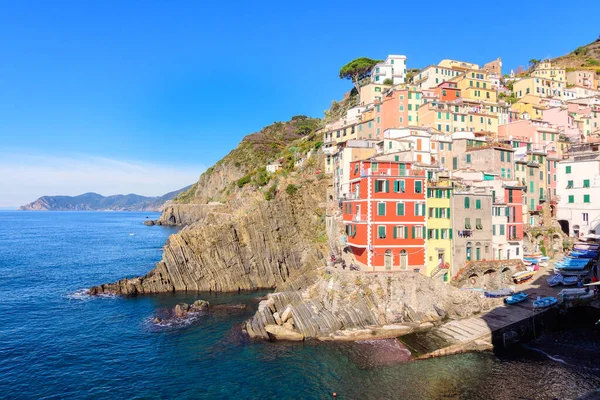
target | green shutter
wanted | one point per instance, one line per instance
(402, 186)
(400, 208)
(493, 230)
(423, 209)
(437, 212)
(413, 232)
(381, 231)
(381, 209)
(387, 186)
(406, 232)
(416, 209)
(467, 202)
(395, 232)
(478, 204)
(418, 186)
(450, 233)
(437, 233)
(396, 186)
(448, 212)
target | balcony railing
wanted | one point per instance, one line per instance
(359, 217)
(389, 172)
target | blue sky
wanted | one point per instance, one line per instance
(174, 85)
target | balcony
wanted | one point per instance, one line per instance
(359, 218)
(366, 172)
(350, 196)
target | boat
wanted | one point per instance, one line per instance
(570, 280)
(533, 255)
(555, 280)
(575, 294)
(543, 264)
(516, 298)
(544, 302)
(500, 292)
(521, 277)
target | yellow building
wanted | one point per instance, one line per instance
(371, 92)
(530, 105)
(541, 87)
(439, 229)
(549, 71)
(475, 85)
(460, 116)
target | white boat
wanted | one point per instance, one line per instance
(575, 294)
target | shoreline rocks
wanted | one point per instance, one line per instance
(344, 306)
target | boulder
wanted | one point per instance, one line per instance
(277, 318)
(181, 310)
(286, 314)
(281, 333)
(148, 222)
(200, 305)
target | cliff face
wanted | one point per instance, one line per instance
(258, 247)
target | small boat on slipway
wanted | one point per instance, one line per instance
(523, 276)
(545, 302)
(580, 294)
(516, 298)
(500, 292)
(555, 280)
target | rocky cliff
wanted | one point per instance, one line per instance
(342, 305)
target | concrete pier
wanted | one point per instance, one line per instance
(488, 329)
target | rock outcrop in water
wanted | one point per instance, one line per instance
(343, 305)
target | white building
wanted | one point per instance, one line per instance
(578, 190)
(420, 139)
(352, 150)
(394, 68)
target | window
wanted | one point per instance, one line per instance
(586, 183)
(467, 202)
(400, 209)
(467, 223)
(382, 186)
(417, 232)
(381, 208)
(374, 167)
(569, 184)
(571, 199)
(468, 159)
(493, 230)
(478, 224)
(418, 187)
(568, 169)
(501, 229)
(400, 232)
(586, 198)
(399, 186)
(381, 231)
(478, 204)
(501, 155)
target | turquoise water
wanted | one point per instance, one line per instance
(56, 342)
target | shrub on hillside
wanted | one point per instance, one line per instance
(243, 180)
(270, 194)
(291, 189)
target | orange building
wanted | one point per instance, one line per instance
(398, 109)
(385, 214)
(447, 91)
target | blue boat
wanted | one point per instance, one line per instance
(516, 298)
(545, 302)
(555, 280)
(570, 280)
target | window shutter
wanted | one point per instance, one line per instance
(416, 209)
(467, 203)
(387, 186)
(402, 186)
(406, 232)
(448, 213)
(423, 209)
(381, 210)
(437, 233)
(413, 232)
(395, 232)
(396, 186)
(400, 208)
(437, 212)
(450, 232)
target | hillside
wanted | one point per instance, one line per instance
(246, 228)
(587, 57)
(97, 202)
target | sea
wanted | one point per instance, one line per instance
(56, 342)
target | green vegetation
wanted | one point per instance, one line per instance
(270, 194)
(592, 62)
(244, 180)
(187, 196)
(581, 50)
(291, 189)
(358, 69)
(410, 74)
(388, 81)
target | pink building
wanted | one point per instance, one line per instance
(540, 135)
(560, 116)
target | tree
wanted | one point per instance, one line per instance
(358, 69)
(534, 62)
(388, 81)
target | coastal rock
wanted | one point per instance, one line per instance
(282, 333)
(149, 222)
(286, 314)
(344, 305)
(265, 245)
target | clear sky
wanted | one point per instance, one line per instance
(140, 96)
